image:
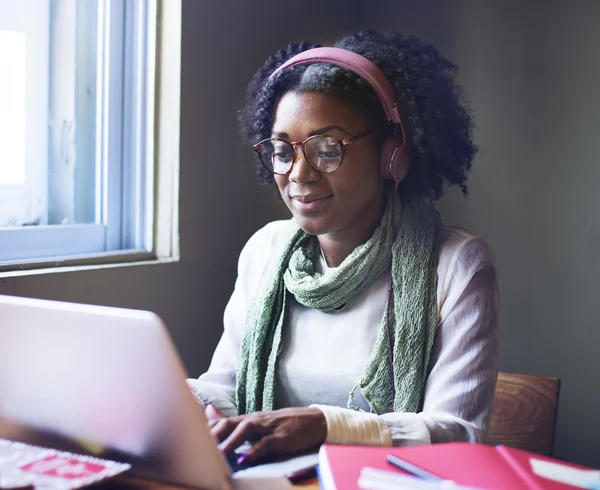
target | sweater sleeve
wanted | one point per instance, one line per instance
(217, 385)
(462, 369)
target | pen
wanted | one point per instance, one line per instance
(412, 469)
(303, 474)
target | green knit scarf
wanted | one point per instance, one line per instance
(413, 306)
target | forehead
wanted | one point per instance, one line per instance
(298, 114)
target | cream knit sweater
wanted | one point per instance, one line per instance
(324, 354)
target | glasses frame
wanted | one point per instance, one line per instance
(302, 144)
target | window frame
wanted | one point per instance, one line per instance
(157, 75)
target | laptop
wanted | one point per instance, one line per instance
(103, 381)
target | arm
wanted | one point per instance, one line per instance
(217, 385)
(462, 369)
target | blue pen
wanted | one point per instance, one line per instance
(412, 469)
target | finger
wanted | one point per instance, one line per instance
(212, 413)
(245, 430)
(223, 427)
(262, 448)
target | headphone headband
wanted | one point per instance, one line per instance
(396, 149)
(356, 63)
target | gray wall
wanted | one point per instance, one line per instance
(531, 73)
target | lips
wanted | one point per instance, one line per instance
(308, 198)
(309, 202)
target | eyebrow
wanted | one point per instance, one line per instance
(315, 132)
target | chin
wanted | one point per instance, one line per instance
(312, 226)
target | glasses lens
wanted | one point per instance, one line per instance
(324, 153)
(277, 155)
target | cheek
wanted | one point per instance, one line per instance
(361, 177)
(282, 181)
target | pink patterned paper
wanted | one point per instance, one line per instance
(23, 465)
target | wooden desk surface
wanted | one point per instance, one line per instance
(312, 484)
(126, 482)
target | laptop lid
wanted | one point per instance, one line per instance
(103, 381)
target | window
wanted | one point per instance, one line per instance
(77, 92)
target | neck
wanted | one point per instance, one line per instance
(336, 246)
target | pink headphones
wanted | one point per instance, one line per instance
(395, 153)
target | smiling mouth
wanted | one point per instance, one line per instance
(307, 203)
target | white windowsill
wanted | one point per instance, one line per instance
(124, 258)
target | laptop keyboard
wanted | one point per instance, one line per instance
(232, 459)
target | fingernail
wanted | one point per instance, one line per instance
(208, 404)
(243, 458)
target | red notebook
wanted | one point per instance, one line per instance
(476, 465)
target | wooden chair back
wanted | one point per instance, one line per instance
(524, 412)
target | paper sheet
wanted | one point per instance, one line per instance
(374, 479)
(564, 474)
(279, 468)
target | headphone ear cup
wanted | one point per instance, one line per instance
(395, 159)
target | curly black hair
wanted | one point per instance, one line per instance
(434, 111)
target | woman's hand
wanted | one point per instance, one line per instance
(213, 415)
(288, 430)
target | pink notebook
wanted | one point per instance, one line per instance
(476, 465)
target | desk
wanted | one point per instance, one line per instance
(125, 482)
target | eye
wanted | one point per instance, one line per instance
(328, 147)
(328, 154)
(283, 153)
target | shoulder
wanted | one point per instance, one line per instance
(467, 270)
(462, 256)
(271, 231)
(259, 246)
(254, 259)
(267, 236)
(462, 248)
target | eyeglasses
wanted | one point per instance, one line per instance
(323, 153)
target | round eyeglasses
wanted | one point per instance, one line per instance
(323, 153)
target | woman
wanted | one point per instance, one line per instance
(361, 320)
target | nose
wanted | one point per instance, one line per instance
(302, 172)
